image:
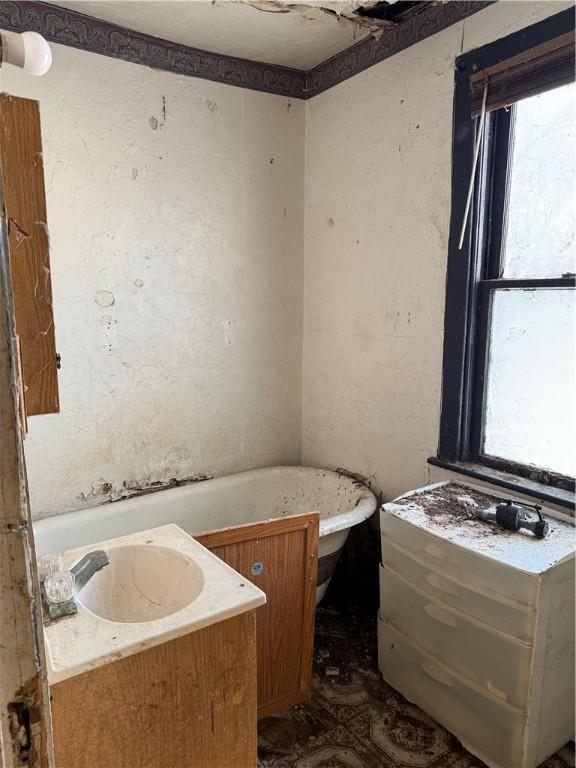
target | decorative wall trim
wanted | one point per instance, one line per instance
(370, 51)
(60, 25)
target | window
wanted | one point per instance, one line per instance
(509, 385)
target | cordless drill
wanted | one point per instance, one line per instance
(513, 517)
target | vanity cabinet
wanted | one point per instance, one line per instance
(186, 703)
(281, 558)
(157, 669)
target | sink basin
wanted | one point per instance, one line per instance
(143, 582)
(159, 585)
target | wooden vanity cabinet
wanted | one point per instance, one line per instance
(280, 557)
(187, 703)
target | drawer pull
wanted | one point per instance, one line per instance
(438, 582)
(437, 674)
(439, 614)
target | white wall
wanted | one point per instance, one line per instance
(180, 200)
(193, 221)
(378, 186)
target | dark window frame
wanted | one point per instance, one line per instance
(474, 274)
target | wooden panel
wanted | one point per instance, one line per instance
(190, 702)
(287, 549)
(25, 204)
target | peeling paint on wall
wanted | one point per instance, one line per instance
(177, 279)
(103, 491)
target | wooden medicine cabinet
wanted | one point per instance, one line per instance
(26, 243)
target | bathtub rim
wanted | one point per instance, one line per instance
(365, 506)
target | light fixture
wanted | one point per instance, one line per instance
(29, 51)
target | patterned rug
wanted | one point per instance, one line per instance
(354, 719)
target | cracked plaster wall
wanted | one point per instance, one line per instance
(175, 209)
(175, 218)
(378, 170)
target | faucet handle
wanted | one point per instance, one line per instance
(59, 587)
(48, 564)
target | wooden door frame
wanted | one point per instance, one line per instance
(25, 728)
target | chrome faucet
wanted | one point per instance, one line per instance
(87, 566)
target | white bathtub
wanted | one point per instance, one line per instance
(247, 497)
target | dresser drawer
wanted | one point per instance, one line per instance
(492, 660)
(476, 571)
(492, 730)
(512, 618)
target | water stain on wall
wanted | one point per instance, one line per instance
(104, 491)
(104, 298)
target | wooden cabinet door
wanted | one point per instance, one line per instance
(26, 243)
(280, 557)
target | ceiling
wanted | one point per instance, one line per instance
(292, 33)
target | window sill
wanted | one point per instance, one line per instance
(544, 493)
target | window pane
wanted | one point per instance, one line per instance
(540, 240)
(531, 379)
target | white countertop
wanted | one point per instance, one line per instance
(84, 641)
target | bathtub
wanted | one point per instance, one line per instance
(246, 497)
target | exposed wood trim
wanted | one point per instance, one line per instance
(312, 542)
(60, 25)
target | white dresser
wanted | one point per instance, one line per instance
(476, 624)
